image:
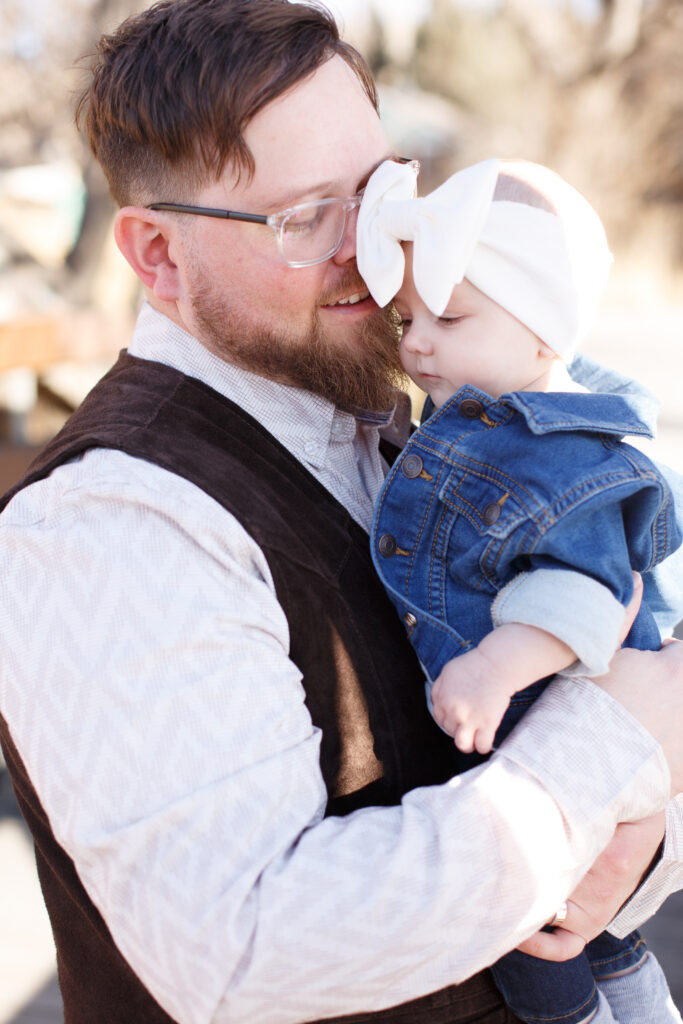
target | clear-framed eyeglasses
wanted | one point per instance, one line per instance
(306, 234)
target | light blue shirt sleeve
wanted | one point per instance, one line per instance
(570, 605)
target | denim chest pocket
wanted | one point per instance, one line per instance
(482, 510)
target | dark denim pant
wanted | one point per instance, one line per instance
(543, 992)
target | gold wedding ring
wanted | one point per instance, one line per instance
(560, 916)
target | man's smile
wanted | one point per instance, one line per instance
(353, 299)
(349, 300)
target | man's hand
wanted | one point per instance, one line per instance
(610, 882)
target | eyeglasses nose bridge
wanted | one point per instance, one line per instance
(350, 207)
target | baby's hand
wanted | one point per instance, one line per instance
(468, 703)
(473, 691)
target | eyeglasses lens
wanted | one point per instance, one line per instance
(313, 232)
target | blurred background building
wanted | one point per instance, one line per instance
(593, 88)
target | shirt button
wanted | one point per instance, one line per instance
(387, 545)
(470, 408)
(411, 466)
(311, 447)
(491, 513)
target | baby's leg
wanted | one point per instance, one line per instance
(544, 992)
(603, 1014)
(640, 994)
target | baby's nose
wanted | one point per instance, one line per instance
(417, 341)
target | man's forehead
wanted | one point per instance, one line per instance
(292, 192)
(321, 138)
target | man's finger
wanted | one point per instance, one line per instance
(556, 945)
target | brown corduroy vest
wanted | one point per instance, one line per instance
(345, 638)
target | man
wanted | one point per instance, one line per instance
(242, 810)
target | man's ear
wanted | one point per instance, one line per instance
(142, 239)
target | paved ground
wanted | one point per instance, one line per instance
(649, 347)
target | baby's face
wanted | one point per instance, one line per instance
(475, 341)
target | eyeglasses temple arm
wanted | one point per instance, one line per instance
(207, 211)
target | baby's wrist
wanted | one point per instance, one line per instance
(492, 672)
(499, 663)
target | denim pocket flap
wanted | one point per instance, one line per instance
(490, 502)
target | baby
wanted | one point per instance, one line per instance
(508, 529)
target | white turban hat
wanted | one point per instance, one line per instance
(516, 230)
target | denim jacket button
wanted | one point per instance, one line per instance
(491, 513)
(470, 408)
(387, 545)
(410, 622)
(411, 466)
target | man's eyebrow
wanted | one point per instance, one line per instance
(284, 200)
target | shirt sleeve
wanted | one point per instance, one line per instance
(573, 606)
(168, 739)
(665, 878)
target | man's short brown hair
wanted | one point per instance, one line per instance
(173, 88)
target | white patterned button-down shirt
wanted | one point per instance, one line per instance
(145, 677)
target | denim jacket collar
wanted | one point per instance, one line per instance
(617, 414)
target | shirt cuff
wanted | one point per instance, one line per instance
(664, 878)
(575, 608)
(623, 769)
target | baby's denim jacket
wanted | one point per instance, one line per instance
(527, 508)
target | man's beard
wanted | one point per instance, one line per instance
(359, 374)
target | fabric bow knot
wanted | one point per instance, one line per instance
(444, 228)
(538, 249)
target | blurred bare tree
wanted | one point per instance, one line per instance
(600, 98)
(41, 46)
(66, 295)
(597, 97)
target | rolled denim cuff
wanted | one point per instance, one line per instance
(578, 610)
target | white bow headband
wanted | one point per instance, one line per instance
(546, 268)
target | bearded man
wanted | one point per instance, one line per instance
(217, 730)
